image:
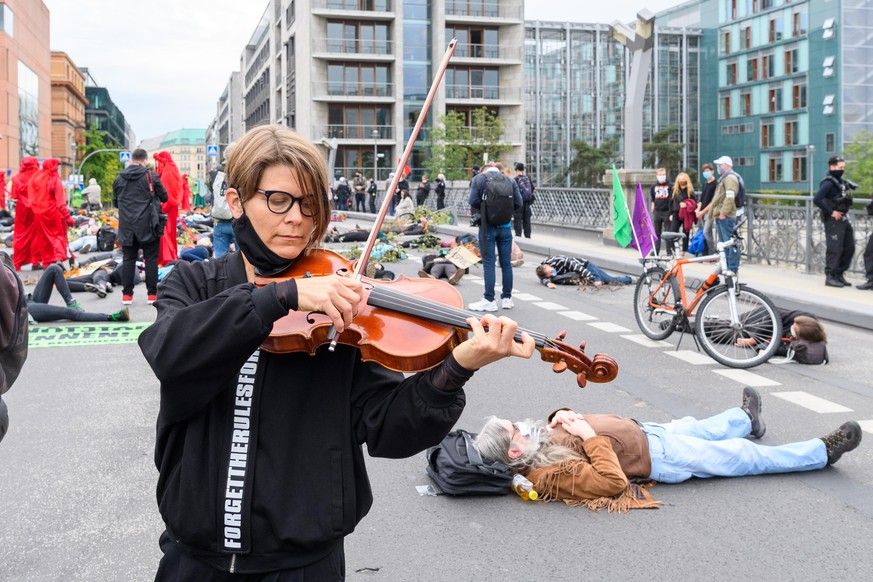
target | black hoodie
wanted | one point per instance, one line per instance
(260, 454)
(137, 206)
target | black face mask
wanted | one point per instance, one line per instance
(266, 262)
(837, 173)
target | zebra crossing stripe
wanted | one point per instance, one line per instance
(814, 403)
(551, 306)
(866, 425)
(577, 315)
(526, 297)
(747, 378)
(691, 357)
(646, 342)
(609, 327)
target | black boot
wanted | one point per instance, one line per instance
(867, 285)
(844, 439)
(842, 279)
(752, 406)
(832, 281)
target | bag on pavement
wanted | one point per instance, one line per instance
(106, 237)
(458, 469)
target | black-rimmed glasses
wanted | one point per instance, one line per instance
(279, 202)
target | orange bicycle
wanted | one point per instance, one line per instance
(736, 325)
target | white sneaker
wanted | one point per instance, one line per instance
(506, 303)
(483, 305)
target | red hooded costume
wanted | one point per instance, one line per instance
(172, 181)
(186, 194)
(50, 214)
(23, 237)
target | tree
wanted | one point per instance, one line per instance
(104, 166)
(455, 146)
(662, 153)
(859, 161)
(590, 163)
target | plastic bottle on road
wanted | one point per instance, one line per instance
(524, 488)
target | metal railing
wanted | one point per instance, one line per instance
(486, 8)
(341, 89)
(357, 131)
(488, 92)
(353, 46)
(782, 230)
(362, 5)
(487, 51)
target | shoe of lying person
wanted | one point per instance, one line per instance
(92, 288)
(123, 315)
(752, 406)
(844, 439)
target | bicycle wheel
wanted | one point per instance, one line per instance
(654, 303)
(759, 320)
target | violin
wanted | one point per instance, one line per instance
(408, 325)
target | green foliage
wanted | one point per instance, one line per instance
(662, 153)
(444, 216)
(590, 163)
(456, 147)
(104, 166)
(859, 162)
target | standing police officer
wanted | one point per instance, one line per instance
(834, 201)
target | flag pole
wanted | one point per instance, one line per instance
(633, 226)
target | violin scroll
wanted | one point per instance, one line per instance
(563, 357)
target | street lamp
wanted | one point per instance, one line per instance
(375, 154)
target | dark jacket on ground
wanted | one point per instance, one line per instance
(267, 464)
(136, 206)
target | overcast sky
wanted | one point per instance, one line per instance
(166, 62)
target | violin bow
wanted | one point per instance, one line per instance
(361, 266)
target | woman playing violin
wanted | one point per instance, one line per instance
(259, 454)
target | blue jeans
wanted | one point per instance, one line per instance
(222, 236)
(725, 228)
(715, 447)
(604, 277)
(499, 238)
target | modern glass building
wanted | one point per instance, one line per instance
(785, 83)
(575, 79)
(102, 113)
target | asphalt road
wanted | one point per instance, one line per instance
(78, 478)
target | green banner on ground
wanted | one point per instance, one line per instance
(93, 334)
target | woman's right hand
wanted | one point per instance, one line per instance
(337, 297)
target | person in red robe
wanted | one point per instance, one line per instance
(23, 237)
(186, 194)
(172, 181)
(51, 217)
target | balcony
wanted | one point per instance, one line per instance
(483, 9)
(357, 132)
(473, 52)
(361, 9)
(343, 49)
(482, 93)
(340, 91)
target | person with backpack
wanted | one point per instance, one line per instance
(495, 198)
(729, 197)
(521, 219)
(608, 461)
(222, 231)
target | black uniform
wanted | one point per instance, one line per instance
(839, 234)
(260, 454)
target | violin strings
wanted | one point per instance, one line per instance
(428, 309)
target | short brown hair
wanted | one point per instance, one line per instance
(270, 145)
(707, 166)
(810, 329)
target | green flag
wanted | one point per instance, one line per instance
(620, 222)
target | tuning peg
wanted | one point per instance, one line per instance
(582, 345)
(561, 335)
(581, 379)
(559, 367)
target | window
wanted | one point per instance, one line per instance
(800, 20)
(726, 107)
(828, 28)
(766, 66)
(28, 110)
(472, 83)
(358, 80)
(358, 37)
(733, 9)
(474, 41)
(731, 73)
(752, 69)
(798, 96)
(775, 29)
(775, 97)
(791, 64)
(726, 43)
(828, 66)
(828, 103)
(766, 134)
(775, 169)
(359, 121)
(830, 142)
(791, 132)
(746, 103)
(747, 37)
(798, 168)
(7, 20)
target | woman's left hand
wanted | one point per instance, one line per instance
(496, 343)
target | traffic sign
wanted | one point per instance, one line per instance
(212, 151)
(124, 157)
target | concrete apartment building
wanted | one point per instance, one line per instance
(25, 82)
(358, 71)
(188, 148)
(68, 111)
